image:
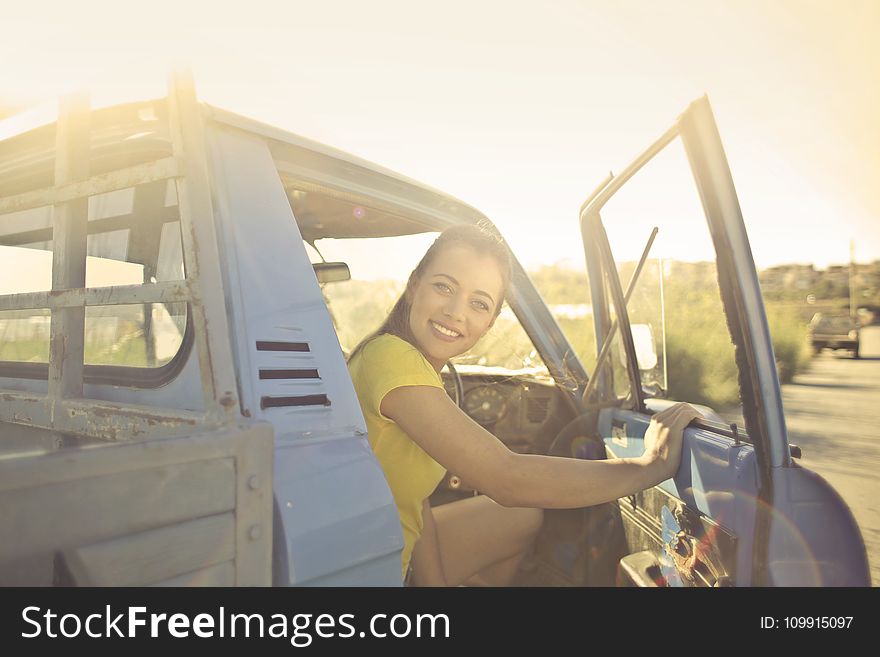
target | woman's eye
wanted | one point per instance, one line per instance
(443, 287)
(481, 305)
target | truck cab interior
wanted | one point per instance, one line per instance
(502, 383)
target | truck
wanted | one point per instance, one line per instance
(834, 332)
(176, 408)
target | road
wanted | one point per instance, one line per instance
(833, 412)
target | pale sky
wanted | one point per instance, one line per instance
(518, 108)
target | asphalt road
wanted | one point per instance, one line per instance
(833, 412)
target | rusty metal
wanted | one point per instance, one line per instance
(200, 253)
(97, 419)
(169, 167)
(63, 409)
(95, 226)
(69, 219)
(115, 295)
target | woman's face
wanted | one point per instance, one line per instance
(453, 303)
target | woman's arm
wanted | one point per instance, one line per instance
(462, 446)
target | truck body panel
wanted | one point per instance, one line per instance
(141, 513)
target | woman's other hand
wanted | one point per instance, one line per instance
(663, 439)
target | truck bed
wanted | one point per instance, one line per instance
(187, 510)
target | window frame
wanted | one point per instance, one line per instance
(114, 375)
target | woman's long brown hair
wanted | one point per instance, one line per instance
(482, 237)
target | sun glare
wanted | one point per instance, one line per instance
(520, 122)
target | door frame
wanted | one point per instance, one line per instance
(740, 293)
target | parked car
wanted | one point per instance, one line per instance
(175, 406)
(834, 332)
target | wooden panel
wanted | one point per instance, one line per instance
(81, 511)
(223, 574)
(155, 555)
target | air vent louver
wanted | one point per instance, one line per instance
(289, 374)
(297, 400)
(266, 345)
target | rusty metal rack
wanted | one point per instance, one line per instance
(64, 409)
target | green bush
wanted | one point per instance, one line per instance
(701, 364)
(699, 353)
(789, 334)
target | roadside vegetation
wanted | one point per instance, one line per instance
(114, 335)
(699, 355)
(701, 365)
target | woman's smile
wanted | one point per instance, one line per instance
(443, 332)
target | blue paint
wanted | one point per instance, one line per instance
(716, 477)
(338, 521)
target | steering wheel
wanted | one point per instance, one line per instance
(458, 387)
(451, 481)
(578, 440)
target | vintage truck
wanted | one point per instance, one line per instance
(175, 406)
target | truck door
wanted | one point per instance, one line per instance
(684, 320)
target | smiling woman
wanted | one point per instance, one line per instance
(452, 298)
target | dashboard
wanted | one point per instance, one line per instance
(523, 411)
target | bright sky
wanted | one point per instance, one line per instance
(518, 108)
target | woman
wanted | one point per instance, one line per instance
(451, 300)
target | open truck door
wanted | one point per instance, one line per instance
(684, 320)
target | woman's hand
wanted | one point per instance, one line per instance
(663, 439)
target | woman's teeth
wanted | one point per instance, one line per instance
(445, 331)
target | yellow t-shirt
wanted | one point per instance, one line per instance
(383, 364)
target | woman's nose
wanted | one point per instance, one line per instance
(454, 308)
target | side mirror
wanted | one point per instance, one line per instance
(331, 272)
(646, 351)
